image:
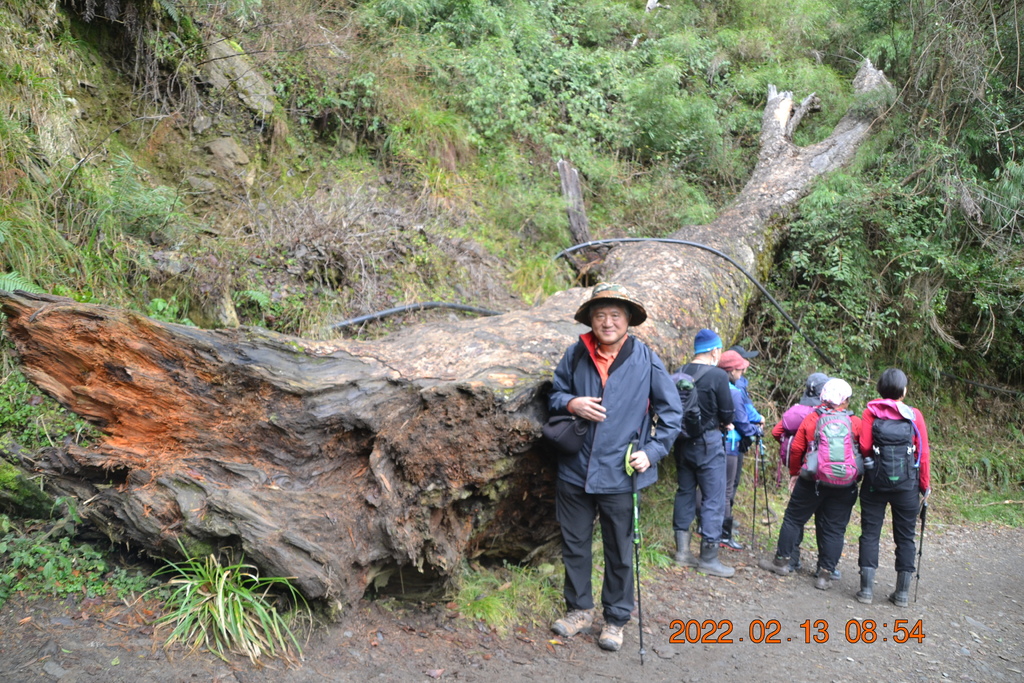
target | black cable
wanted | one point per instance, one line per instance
(705, 247)
(412, 307)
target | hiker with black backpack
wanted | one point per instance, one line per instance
(616, 385)
(700, 460)
(894, 441)
(824, 468)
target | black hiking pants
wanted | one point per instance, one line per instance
(575, 510)
(904, 505)
(832, 506)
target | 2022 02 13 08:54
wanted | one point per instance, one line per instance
(771, 631)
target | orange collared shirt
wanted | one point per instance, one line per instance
(602, 361)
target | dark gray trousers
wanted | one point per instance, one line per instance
(575, 510)
(701, 462)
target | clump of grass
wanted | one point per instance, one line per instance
(227, 608)
(1004, 507)
(503, 597)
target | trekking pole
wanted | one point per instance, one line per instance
(920, 546)
(753, 508)
(764, 482)
(636, 548)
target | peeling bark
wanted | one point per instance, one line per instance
(335, 462)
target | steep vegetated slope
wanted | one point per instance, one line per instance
(288, 163)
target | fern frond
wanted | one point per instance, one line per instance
(261, 299)
(12, 281)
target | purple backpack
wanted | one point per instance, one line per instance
(834, 457)
(791, 420)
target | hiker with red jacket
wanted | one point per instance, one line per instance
(894, 441)
(827, 440)
(785, 430)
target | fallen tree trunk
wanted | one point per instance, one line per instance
(337, 462)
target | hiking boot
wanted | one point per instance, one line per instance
(611, 638)
(836, 574)
(684, 557)
(901, 596)
(867, 581)
(572, 623)
(794, 562)
(727, 539)
(780, 566)
(709, 562)
(823, 579)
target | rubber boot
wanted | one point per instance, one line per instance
(867, 582)
(727, 540)
(780, 565)
(901, 596)
(709, 562)
(823, 579)
(684, 557)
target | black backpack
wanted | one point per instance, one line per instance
(896, 460)
(687, 388)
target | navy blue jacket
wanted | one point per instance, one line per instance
(638, 387)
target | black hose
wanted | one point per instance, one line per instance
(412, 307)
(705, 247)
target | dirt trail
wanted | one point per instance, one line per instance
(971, 607)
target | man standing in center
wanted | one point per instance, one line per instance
(700, 461)
(618, 384)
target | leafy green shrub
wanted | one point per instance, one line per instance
(33, 419)
(51, 568)
(40, 562)
(227, 609)
(168, 311)
(664, 121)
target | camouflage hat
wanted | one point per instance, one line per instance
(609, 292)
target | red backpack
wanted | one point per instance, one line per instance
(834, 457)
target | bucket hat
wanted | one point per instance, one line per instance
(607, 292)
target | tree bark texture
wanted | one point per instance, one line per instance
(336, 462)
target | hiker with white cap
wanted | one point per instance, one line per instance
(823, 471)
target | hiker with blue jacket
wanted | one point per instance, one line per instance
(897, 463)
(743, 384)
(812, 493)
(700, 460)
(756, 419)
(737, 440)
(618, 385)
